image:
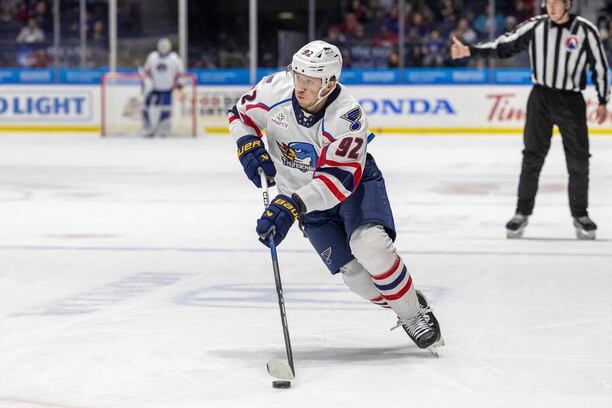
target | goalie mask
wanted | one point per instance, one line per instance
(318, 59)
(164, 46)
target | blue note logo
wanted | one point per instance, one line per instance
(326, 255)
(353, 116)
(298, 155)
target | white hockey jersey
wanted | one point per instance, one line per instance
(163, 70)
(321, 156)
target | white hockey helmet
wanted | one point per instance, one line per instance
(164, 46)
(318, 59)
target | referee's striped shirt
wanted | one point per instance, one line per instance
(559, 53)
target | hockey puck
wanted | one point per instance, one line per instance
(281, 384)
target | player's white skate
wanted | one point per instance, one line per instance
(516, 226)
(585, 227)
(423, 329)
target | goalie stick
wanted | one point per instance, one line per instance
(278, 368)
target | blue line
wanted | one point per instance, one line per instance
(292, 251)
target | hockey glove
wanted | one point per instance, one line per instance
(277, 219)
(253, 155)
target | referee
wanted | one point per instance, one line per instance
(561, 45)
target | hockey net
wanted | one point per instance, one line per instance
(122, 104)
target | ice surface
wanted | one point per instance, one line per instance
(130, 276)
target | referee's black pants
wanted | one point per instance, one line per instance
(547, 107)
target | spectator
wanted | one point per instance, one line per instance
(349, 25)
(434, 50)
(42, 16)
(335, 36)
(419, 28)
(522, 11)
(31, 33)
(359, 10)
(385, 38)
(98, 35)
(393, 60)
(464, 32)
(487, 22)
(8, 24)
(21, 15)
(509, 23)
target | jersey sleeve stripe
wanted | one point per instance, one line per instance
(354, 165)
(328, 136)
(345, 177)
(332, 187)
(249, 122)
(257, 105)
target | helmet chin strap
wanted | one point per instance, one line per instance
(320, 98)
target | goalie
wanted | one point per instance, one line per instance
(160, 78)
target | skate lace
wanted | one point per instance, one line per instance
(415, 326)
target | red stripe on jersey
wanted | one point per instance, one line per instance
(258, 105)
(401, 293)
(390, 272)
(376, 299)
(354, 165)
(332, 187)
(232, 118)
(328, 136)
(249, 122)
(322, 156)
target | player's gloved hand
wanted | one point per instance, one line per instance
(253, 155)
(277, 219)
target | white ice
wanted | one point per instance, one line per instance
(131, 276)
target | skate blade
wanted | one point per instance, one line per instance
(433, 349)
(515, 234)
(586, 235)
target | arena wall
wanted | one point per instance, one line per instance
(397, 109)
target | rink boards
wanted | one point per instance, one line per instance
(399, 109)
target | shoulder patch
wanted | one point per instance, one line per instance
(353, 116)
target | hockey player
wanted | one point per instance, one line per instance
(161, 76)
(316, 154)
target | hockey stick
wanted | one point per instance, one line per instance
(277, 368)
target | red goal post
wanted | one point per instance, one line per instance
(122, 102)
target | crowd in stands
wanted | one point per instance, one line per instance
(367, 32)
(26, 31)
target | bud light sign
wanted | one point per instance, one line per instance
(47, 105)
